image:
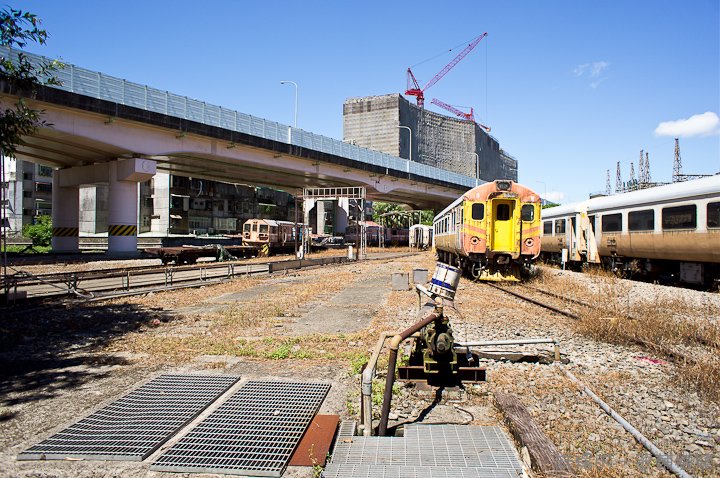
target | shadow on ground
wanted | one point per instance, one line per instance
(49, 349)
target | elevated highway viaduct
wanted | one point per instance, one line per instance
(107, 130)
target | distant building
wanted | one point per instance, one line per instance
(28, 193)
(437, 140)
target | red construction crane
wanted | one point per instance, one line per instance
(460, 114)
(413, 87)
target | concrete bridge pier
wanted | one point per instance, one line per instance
(123, 176)
(65, 216)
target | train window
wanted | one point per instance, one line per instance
(560, 226)
(273, 230)
(641, 220)
(591, 220)
(547, 228)
(246, 227)
(680, 217)
(528, 212)
(713, 214)
(612, 223)
(502, 213)
(254, 227)
(263, 228)
(478, 211)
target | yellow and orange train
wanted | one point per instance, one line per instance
(492, 232)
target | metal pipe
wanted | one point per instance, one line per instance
(661, 456)
(392, 362)
(490, 343)
(366, 392)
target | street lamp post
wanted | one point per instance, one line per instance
(296, 97)
(544, 197)
(477, 167)
(410, 136)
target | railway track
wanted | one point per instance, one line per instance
(129, 280)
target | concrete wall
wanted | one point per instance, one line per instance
(437, 140)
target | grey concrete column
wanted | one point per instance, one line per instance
(122, 214)
(65, 216)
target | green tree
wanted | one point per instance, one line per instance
(40, 232)
(20, 77)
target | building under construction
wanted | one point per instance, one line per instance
(377, 122)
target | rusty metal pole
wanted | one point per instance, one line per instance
(392, 362)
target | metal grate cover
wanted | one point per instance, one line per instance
(253, 433)
(134, 426)
(399, 471)
(428, 451)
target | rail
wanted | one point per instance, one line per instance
(95, 284)
(104, 87)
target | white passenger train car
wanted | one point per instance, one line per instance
(666, 233)
(421, 236)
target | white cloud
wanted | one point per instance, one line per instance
(697, 125)
(553, 196)
(594, 69)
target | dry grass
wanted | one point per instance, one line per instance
(673, 328)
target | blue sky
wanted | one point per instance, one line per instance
(568, 87)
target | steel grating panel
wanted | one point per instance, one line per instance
(434, 447)
(134, 426)
(253, 433)
(400, 471)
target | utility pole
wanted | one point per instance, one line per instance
(608, 190)
(677, 164)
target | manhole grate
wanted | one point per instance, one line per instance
(134, 426)
(400, 471)
(254, 432)
(428, 451)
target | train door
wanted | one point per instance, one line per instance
(503, 231)
(572, 240)
(592, 252)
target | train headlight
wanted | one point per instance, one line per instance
(529, 242)
(503, 185)
(474, 240)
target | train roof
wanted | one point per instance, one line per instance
(420, 226)
(483, 191)
(693, 189)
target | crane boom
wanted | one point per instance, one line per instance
(460, 114)
(413, 86)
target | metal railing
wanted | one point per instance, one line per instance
(97, 85)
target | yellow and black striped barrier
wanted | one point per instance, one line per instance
(265, 249)
(122, 230)
(65, 232)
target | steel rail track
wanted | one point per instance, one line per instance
(104, 284)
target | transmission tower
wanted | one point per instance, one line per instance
(642, 176)
(618, 179)
(608, 191)
(647, 167)
(677, 165)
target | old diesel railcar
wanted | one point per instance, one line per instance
(492, 232)
(269, 236)
(666, 233)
